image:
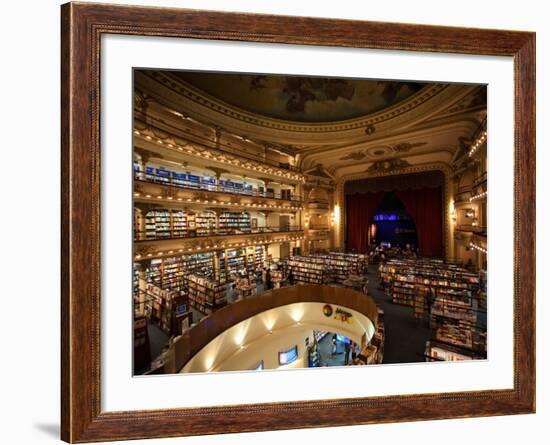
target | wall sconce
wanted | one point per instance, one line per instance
(336, 214)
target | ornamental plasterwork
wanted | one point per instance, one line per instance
(388, 165)
(473, 101)
(354, 156)
(401, 147)
(174, 94)
(404, 147)
(367, 123)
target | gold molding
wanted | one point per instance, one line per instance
(197, 96)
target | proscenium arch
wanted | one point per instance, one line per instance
(448, 242)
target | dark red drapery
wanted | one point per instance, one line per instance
(360, 209)
(424, 207)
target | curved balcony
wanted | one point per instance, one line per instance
(175, 183)
(194, 340)
(178, 234)
(479, 230)
(145, 250)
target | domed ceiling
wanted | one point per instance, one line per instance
(302, 99)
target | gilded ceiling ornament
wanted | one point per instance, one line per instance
(403, 147)
(356, 156)
(477, 99)
(387, 165)
(370, 129)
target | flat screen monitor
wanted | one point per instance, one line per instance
(287, 357)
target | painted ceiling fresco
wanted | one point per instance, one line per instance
(302, 99)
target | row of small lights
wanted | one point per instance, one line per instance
(227, 203)
(478, 196)
(207, 155)
(215, 246)
(477, 143)
(479, 248)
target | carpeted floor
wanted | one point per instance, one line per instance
(405, 336)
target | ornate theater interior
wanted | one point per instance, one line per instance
(292, 222)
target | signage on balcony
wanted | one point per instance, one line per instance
(338, 314)
(343, 316)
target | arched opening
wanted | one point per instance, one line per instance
(421, 198)
(392, 224)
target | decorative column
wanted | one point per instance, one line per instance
(449, 220)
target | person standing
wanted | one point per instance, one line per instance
(334, 345)
(347, 350)
(268, 279)
(430, 298)
(290, 277)
(353, 351)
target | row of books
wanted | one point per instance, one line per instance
(205, 295)
(306, 270)
(165, 223)
(319, 267)
(199, 182)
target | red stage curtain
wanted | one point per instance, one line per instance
(424, 207)
(360, 209)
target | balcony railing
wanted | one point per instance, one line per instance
(172, 180)
(463, 195)
(318, 227)
(480, 179)
(480, 230)
(167, 234)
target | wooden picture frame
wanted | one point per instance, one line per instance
(82, 26)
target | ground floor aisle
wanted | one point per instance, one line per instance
(406, 336)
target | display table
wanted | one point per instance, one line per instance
(245, 291)
(356, 282)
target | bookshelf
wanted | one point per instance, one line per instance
(161, 307)
(205, 295)
(142, 348)
(457, 309)
(157, 224)
(234, 222)
(235, 261)
(179, 224)
(307, 269)
(403, 279)
(153, 273)
(201, 264)
(173, 270)
(259, 258)
(439, 351)
(135, 278)
(341, 265)
(168, 273)
(205, 223)
(372, 353)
